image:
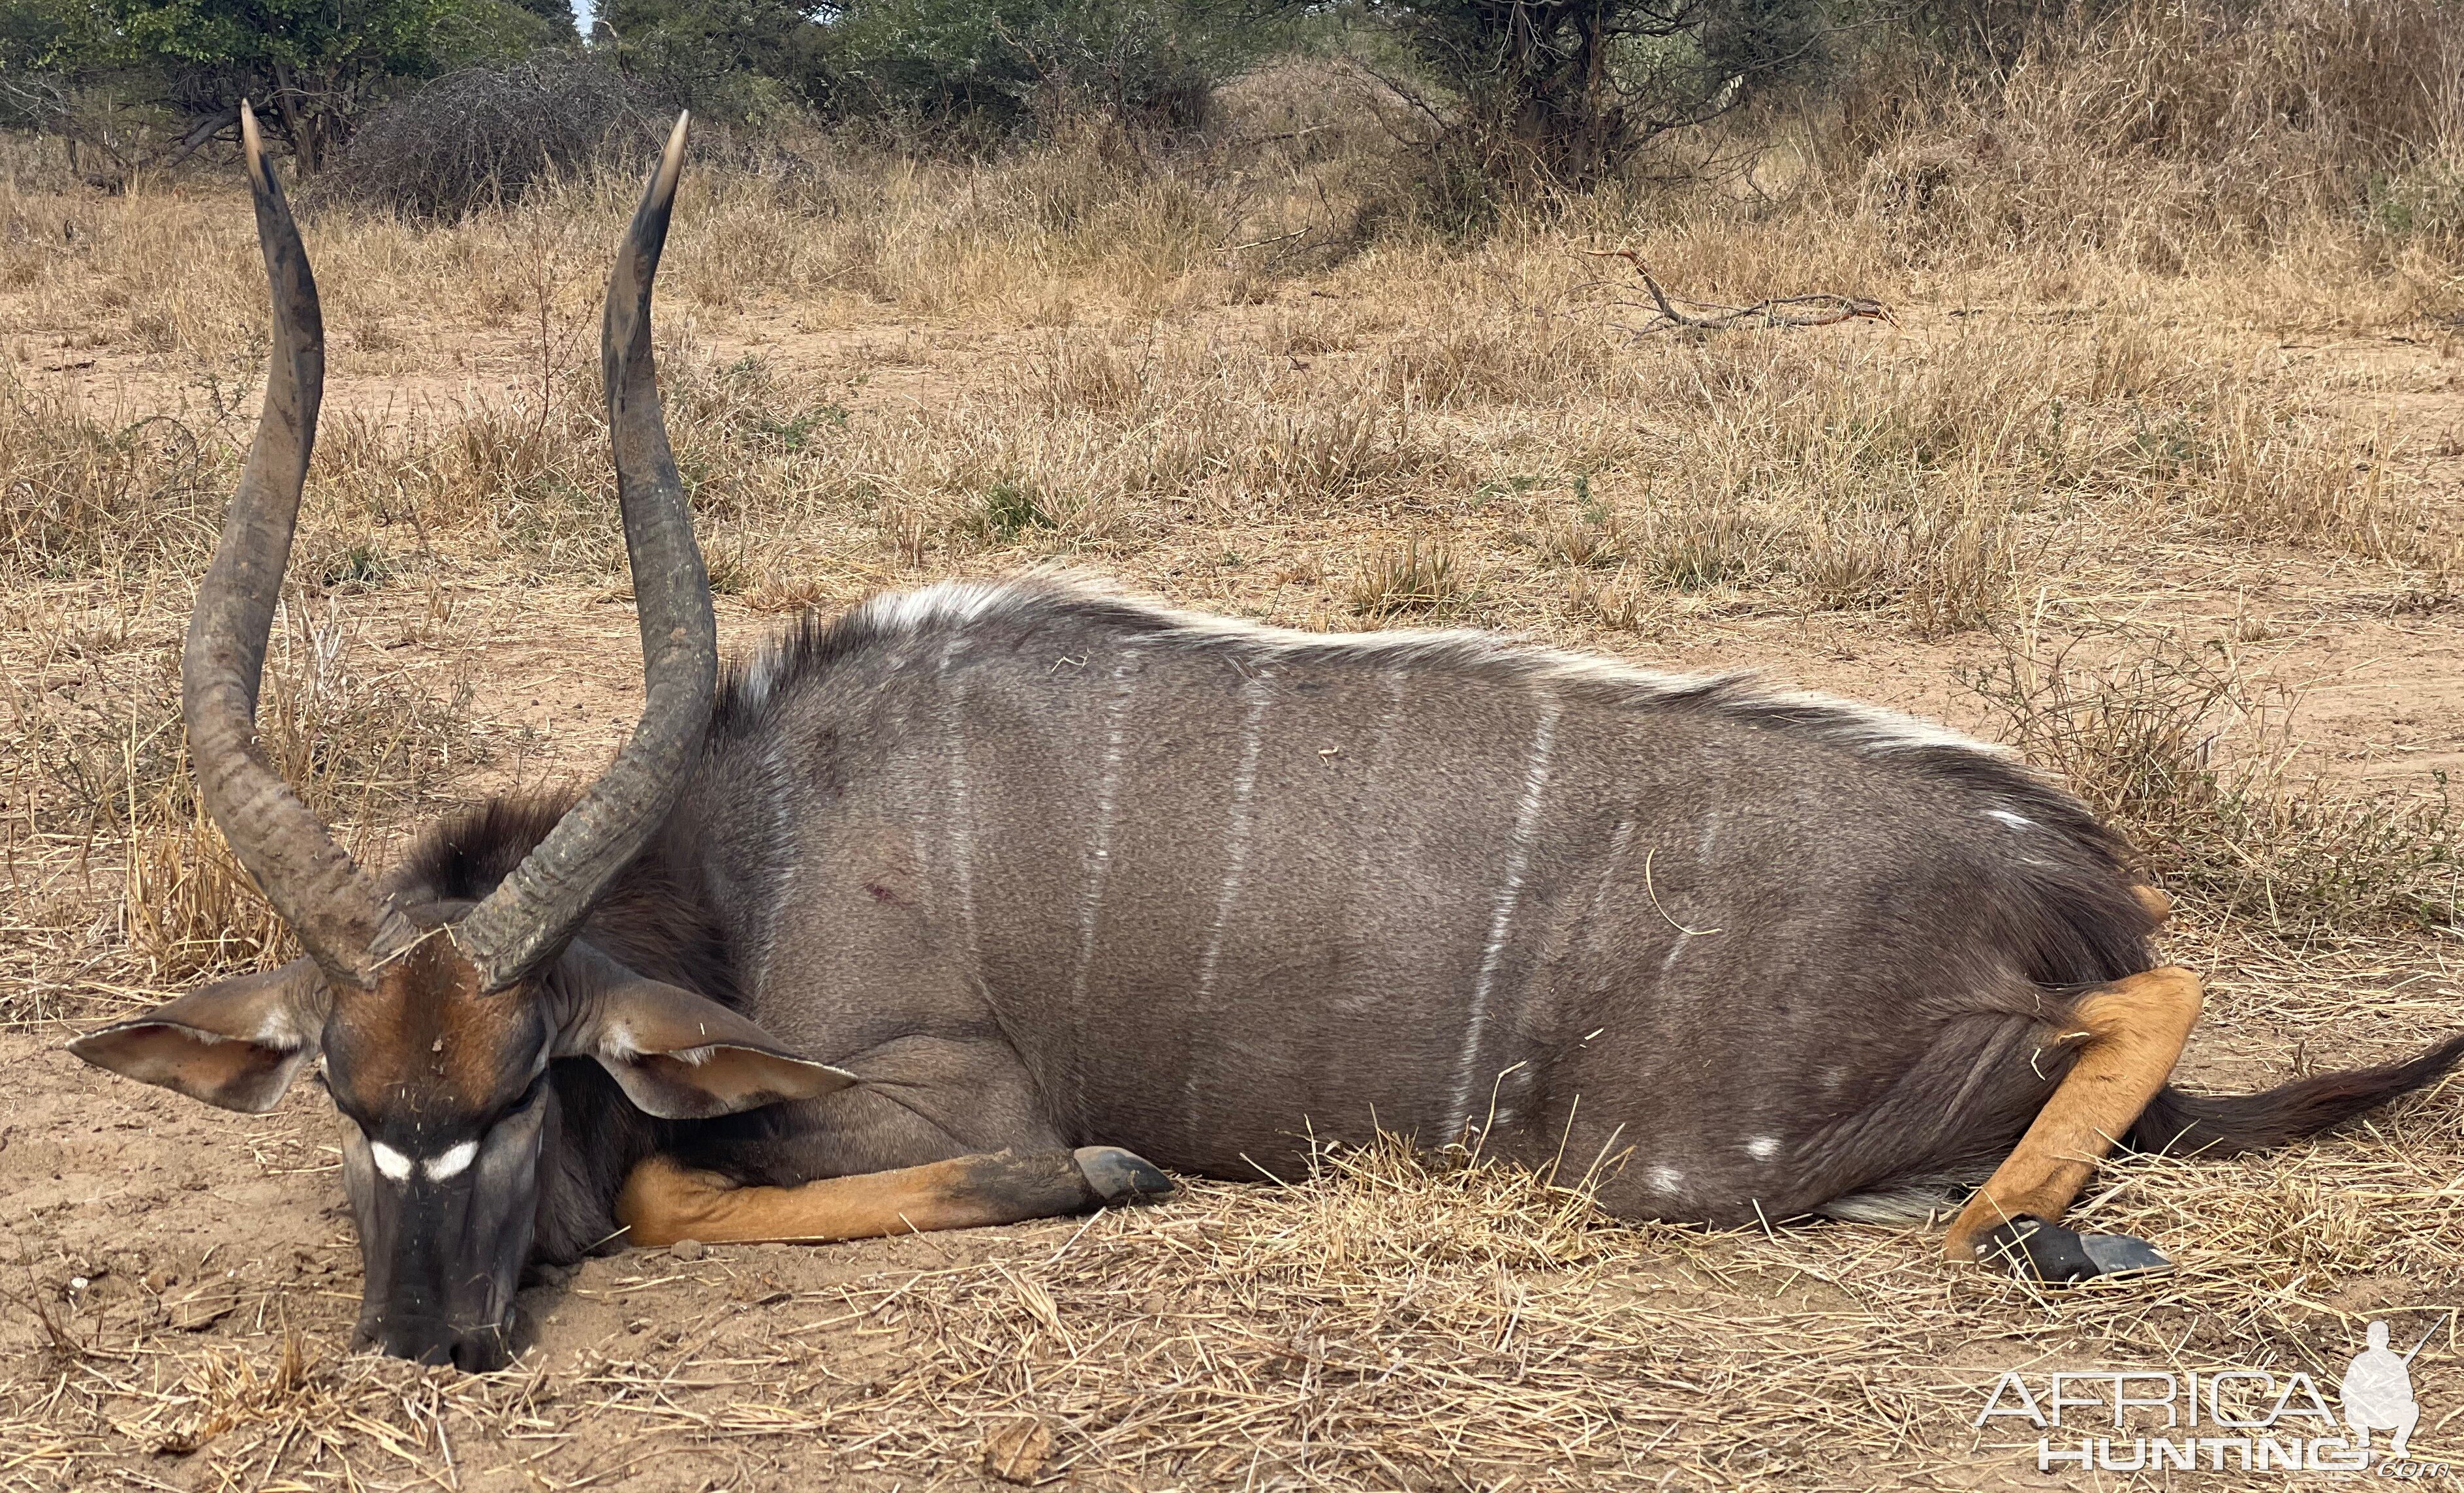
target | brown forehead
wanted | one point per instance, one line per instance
(426, 1038)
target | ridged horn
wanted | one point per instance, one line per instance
(332, 908)
(533, 912)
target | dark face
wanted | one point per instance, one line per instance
(445, 1105)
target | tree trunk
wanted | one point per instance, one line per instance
(299, 123)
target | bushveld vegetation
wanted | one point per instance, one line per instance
(1337, 320)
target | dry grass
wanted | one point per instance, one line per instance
(2198, 761)
(883, 370)
(87, 495)
(95, 769)
(1412, 578)
(2168, 134)
(1395, 1322)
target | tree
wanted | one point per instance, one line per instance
(985, 63)
(728, 58)
(1565, 91)
(312, 66)
(57, 79)
(34, 34)
(995, 60)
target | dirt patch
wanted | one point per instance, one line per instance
(179, 1283)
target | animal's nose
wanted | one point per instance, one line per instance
(480, 1353)
(427, 1340)
(431, 1340)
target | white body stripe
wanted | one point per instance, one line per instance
(1236, 832)
(1509, 894)
(776, 782)
(1099, 835)
(961, 808)
(1595, 916)
(1355, 890)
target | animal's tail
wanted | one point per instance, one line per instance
(2231, 1125)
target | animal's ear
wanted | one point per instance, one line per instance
(677, 1055)
(237, 1044)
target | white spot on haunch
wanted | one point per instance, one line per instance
(1663, 1179)
(2014, 821)
(452, 1161)
(1762, 1147)
(392, 1164)
(1510, 892)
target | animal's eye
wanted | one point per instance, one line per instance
(530, 1096)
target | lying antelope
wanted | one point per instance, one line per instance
(1036, 868)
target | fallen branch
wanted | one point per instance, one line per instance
(1821, 310)
(205, 130)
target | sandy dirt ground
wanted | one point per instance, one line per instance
(179, 1282)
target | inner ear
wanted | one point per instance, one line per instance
(677, 1055)
(237, 1044)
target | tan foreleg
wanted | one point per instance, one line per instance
(2134, 1032)
(663, 1202)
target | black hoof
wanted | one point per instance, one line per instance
(2033, 1249)
(1121, 1176)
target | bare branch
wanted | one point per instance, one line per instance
(1778, 310)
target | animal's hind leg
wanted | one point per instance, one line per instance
(2131, 1033)
(662, 1201)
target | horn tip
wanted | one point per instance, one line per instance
(252, 146)
(672, 160)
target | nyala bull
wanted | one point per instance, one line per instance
(915, 920)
